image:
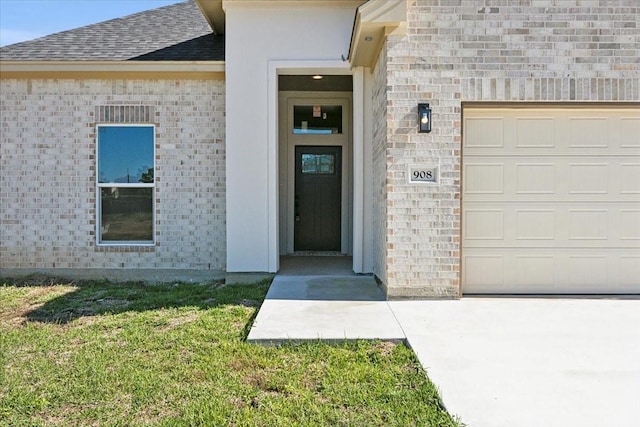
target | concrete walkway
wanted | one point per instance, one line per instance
(496, 361)
(324, 307)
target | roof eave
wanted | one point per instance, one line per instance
(213, 12)
(113, 66)
(374, 21)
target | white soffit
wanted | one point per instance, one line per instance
(374, 21)
(213, 12)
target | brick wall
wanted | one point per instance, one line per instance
(379, 161)
(47, 172)
(491, 50)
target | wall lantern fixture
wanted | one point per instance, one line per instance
(424, 118)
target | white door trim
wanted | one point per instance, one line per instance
(276, 68)
(341, 140)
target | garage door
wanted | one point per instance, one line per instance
(551, 200)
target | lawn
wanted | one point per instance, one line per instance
(107, 354)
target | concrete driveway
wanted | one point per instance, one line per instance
(512, 362)
(530, 362)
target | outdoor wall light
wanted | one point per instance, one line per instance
(424, 118)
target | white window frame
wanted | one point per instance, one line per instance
(100, 186)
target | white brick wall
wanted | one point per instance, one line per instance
(47, 173)
(491, 50)
(379, 153)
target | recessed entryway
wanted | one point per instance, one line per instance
(315, 166)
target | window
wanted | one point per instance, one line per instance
(125, 176)
(318, 164)
(317, 119)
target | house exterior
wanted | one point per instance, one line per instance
(221, 135)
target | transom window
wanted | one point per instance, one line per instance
(125, 177)
(317, 119)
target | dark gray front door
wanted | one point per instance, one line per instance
(317, 205)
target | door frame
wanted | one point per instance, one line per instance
(287, 150)
(362, 173)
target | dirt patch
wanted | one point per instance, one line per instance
(63, 413)
(154, 414)
(19, 316)
(174, 322)
(18, 312)
(38, 280)
(385, 348)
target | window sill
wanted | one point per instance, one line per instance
(125, 247)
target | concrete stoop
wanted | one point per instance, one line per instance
(328, 308)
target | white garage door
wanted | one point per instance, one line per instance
(551, 200)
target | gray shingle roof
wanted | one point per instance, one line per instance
(177, 32)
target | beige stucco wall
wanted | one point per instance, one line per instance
(47, 173)
(457, 51)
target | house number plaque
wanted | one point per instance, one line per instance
(423, 174)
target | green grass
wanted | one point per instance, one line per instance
(105, 354)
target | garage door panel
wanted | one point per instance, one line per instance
(588, 178)
(564, 132)
(629, 130)
(488, 133)
(630, 273)
(535, 132)
(537, 225)
(535, 178)
(484, 224)
(629, 179)
(588, 271)
(484, 178)
(588, 225)
(559, 271)
(552, 179)
(627, 225)
(485, 271)
(598, 224)
(588, 132)
(535, 272)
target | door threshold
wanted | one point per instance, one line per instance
(317, 253)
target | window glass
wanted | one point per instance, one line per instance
(125, 172)
(127, 214)
(125, 154)
(317, 119)
(318, 164)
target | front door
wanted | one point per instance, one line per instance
(318, 198)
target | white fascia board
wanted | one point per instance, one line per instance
(113, 66)
(384, 11)
(289, 3)
(374, 20)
